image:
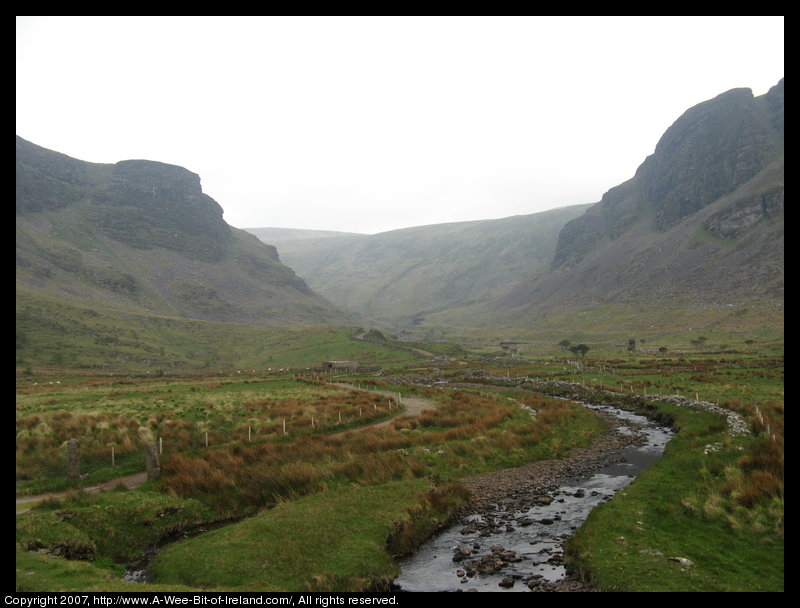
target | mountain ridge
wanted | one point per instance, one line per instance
(710, 150)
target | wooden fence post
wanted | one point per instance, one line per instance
(151, 461)
(73, 459)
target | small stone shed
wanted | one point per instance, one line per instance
(339, 365)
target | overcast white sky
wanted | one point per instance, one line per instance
(367, 124)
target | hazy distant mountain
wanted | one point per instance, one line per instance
(141, 236)
(403, 275)
(278, 236)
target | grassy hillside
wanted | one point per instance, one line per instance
(52, 333)
(280, 236)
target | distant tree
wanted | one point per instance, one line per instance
(632, 344)
(662, 349)
(564, 344)
(579, 350)
(699, 342)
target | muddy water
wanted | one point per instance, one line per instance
(519, 550)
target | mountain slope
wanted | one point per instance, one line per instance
(142, 236)
(404, 275)
(702, 220)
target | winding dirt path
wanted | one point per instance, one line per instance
(130, 482)
(414, 407)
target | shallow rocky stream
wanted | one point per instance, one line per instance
(515, 543)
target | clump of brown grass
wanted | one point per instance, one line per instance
(380, 468)
(759, 474)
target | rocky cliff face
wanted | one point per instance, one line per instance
(148, 204)
(47, 180)
(710, 151)
(141, 203)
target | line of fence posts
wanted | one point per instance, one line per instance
(153, 451)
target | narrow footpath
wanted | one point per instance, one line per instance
(130, 482)
(414, 406)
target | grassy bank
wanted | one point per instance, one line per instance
(334, 540)
(707, 517)
(79, 542)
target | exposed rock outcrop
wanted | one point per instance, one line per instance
(712, 149)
